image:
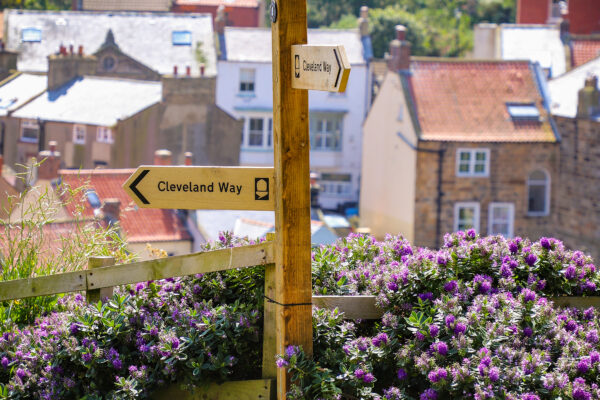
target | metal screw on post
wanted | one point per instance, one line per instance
(95, 295)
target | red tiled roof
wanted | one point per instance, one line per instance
(1, 24)
(462, 100)
(138, 224)
(216, 3)
(584, 50)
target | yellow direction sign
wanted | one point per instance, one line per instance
(195, 188)
(320, 67)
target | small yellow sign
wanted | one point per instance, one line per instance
(196, 188)
(320, 68)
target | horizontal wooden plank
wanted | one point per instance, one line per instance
(42, 285)
(354, 307)
(262, 389)
(577, 302)
(190, 264)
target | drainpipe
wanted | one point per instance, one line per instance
(2, 135)
(42, 134)
(440, 153)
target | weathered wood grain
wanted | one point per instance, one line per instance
(42, 286)
(292, 188)
(95, 295)
(353, 307)
(262, 389)
(190, 264)
(577, 302)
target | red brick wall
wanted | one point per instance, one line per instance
(533, 11)
(236, 16)
(584, 16)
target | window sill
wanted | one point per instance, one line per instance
(326, 150)
(258, 149)
(472, 175)
(538, 214)
(246, 95)
(29, 141)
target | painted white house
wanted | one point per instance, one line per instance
(245, 90)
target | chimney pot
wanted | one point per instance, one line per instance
(80, 50)
(1, 164)
(52, 145)
(71, 49)
(188, 71)
(111, 209)
(201, 69)
(188, 158)
(174, 70)
(400, 32)
(48, 169)
(162, 157)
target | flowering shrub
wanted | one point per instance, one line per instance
(470, 320)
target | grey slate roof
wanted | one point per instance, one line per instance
(20, 89)
(254, 44)
(127, 5)
(147, 37)
(564, 89)
(93, 101)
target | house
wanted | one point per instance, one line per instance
(157, 40)
(538, 43)
(582, 16)
(122, 5)
(240, 13)
(584, 48)
(114, 114)
(245, 89)
(576, 109)
(452, 144)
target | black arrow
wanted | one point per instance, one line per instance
(135, 183)
(337, 78)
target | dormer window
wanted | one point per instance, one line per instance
(182, 38)
(523, 112)
(31, 35)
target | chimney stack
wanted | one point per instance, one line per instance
(162, 157)
(398, 58)
(589, 98)
(111, 210)
(174, 70)
(80, 51)
(363, 21)
(71, 49)
(220, 20)
(188, 71)
(50, 162)
(201, 69)
(188, 158)
(66, 66)
(8, 61)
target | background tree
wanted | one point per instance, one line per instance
(36, 4)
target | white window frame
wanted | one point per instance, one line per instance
(547, 182)
(336, 187)
(104, 135)
(244, 80)
(318, 138)
(31, 124)
(77, 129)
(472, 162)
(476, 214)
(511, 218)
(267, 133)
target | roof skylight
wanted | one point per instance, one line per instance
(523, 111)
(182, 38)
(31, 35)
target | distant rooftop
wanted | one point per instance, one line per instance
(93, 101)
(146, 37)
(126, 5)
(584, 50)
(216, 3)
(18, 89)
(465, 100)
(254, 44)
(564, 89)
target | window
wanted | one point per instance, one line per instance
(247, 80)
(30, 131)
(104, 135)
(473, 162)
(523, 111)
(108, 63)
(78, 134)
(466, 216)
(336, 185)
(31, 35)
(326, 132)
(258, 133)
(500, 219)
(181, 38)
(538, 193)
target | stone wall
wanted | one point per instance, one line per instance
(578, 195)
(510, 164)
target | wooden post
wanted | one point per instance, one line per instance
(292, 188)
(95, 295)
(269, 369)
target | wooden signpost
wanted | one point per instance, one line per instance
(320, 68)
(285, 188)
(209, 188)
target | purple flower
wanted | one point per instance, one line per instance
(589, 314)
(441, 259)
(86, 357)
(426, 296)
(460, 328)
(570, 272)
(359, 373)
(581, 394)
(584, 365)
(429, 394)
(4, 362)
(175, 343)
(594, 357)
(441, 348)
(513, 246)
(589, 286)
(527, 331)
(530, 259)
(530, 396)
(449, 320)
(451, 286)
(471, 233)
(419, 336)
(368, 378)
(21, 373)
(528, 295)
(545, 242)
(290, 351)
(117, 364)
(494, 374)
(281, 363)
(592, 336)
(571, 325)
(379, 339)
(74, 328)
(402, 374)
(433, 330)
(393, 286)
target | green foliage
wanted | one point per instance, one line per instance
(37, 4)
